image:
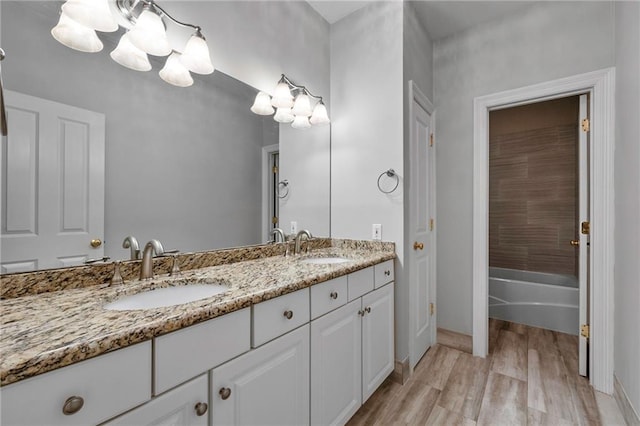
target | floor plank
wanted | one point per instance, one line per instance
(461, 342)
(436, 365)
(504, 402)
(464, 389)
(556, 387)
(510, 356)
(377, 405)
(412, 407)
(442, 416)
(539, 418)
(535, 391)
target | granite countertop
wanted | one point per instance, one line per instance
(39, 333)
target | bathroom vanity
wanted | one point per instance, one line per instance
(294, 340)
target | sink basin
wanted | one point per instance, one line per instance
(166, 296)
(324, 260)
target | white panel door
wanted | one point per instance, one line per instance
(186, 405)
(583, 238)
(336, 359)
(266, 386)
(52, 184)
(377, 339)
(422, 250)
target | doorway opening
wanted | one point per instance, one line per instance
(271, 189)
(539, 219)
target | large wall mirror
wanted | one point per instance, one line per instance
(191, 167)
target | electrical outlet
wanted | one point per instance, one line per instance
(294, 228)
(376, 232)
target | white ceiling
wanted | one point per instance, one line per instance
(440, 18)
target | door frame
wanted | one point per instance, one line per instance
(601, 86)
(267, 151)
(415, 94)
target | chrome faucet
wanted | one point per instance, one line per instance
(131, 242)
(146, 267)
(299, 236)
(278, 232)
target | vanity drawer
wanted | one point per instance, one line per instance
(360, 282)
(328, 296)
(279, 315)
(107, 385)
(383, 273)
(186, 353)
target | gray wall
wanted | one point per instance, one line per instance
(183, 165)
(366, 133)
(545, 42)
(627, 190)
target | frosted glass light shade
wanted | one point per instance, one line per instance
(302, 106)
(283, 115)
(127, 55)
(148, 34)
(175, 73)
(196, 55)
(262, 104)
(94, 14)
(301, 122)
(319, 115)
(76, 36)
(282, 97)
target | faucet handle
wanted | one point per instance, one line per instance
(117, 277)
(175, 266)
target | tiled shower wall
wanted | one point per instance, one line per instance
(533, 187)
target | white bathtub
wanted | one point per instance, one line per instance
(534, 298)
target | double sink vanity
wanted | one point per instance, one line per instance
(242, 337)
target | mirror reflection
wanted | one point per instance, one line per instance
(191, 167)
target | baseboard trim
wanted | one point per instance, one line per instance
(455, 340)
(401, 371)
(630, 415)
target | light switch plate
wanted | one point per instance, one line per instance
(376, 232)
(294, 228)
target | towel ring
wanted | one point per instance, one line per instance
(392, 174)
(283, 185)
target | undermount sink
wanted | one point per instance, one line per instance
(166, 296)
(324, 260)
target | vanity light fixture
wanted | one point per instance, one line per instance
(145, 24)
(289, 109)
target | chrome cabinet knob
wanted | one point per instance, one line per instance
(361, 313)
(72, 405)
(288, 314)
(225, 393)
(202, 407)
(387, 272)
(368, 309)
(334, 295)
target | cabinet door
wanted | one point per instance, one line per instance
(184, 406)
(336, 357)
(377, 339)
(267, 386)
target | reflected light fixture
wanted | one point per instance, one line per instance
(146, 23)
(289, 109)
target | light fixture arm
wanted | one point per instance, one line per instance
(174, 20)
(292, 85)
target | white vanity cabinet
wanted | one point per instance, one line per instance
(266, 386)
(85, 393)
(352, 349)
(186, 405)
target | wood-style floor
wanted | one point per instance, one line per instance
(530, 377)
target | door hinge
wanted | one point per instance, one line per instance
(584, 331)
(274, 220)
(431, 139)
(585, 227)
(432, 224)
(432, 308)
(274, 169)
(586, 125)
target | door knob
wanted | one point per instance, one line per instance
(574, 243)
(418, 246)
(96, 242)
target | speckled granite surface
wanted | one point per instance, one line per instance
(49, 330)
